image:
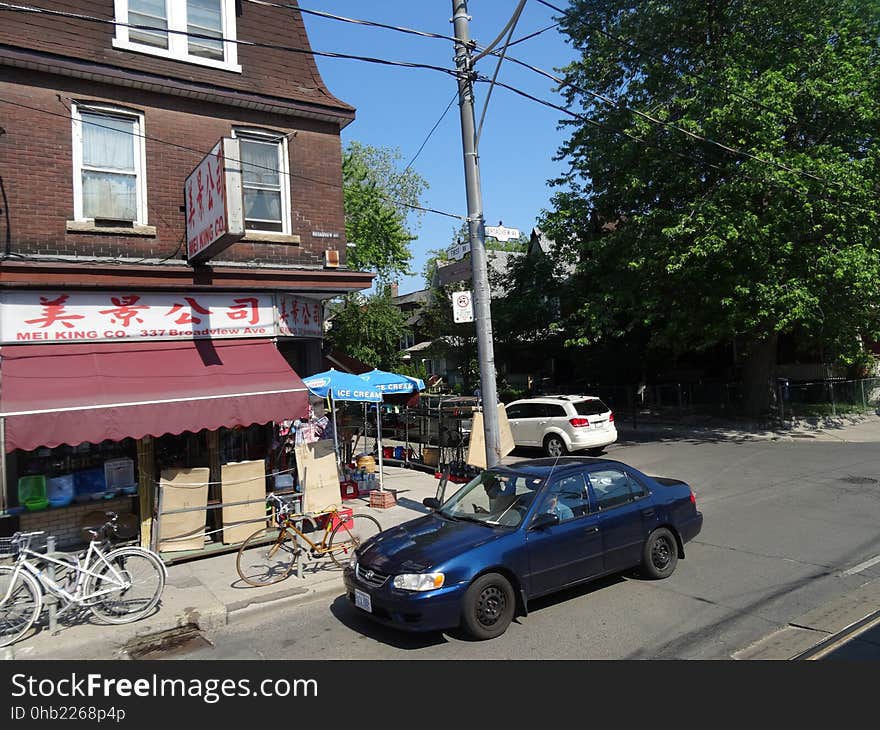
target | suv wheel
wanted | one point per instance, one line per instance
(554, 445)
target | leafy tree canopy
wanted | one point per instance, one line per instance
(369, 328)
(378, 198)
(696, 244)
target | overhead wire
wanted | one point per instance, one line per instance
(667, 62)
(681, 155)
(511, 24)
(454, 73)
(14, 7)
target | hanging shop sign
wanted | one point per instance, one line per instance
(214, 202)
(70, 316)
(300, 317)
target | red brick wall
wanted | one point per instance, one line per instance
(276, 73)
(37, 173)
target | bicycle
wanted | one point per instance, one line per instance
(118, 586)
(270, 554)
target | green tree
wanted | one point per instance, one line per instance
(693, 244)
(378, 205)
(369, 328)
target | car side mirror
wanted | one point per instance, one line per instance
(431, 502)
(545, 520)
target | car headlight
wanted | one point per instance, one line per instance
(353, 562)
(419, 581)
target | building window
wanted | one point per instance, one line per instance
(195, 31)
(109, 164)
(265, 179)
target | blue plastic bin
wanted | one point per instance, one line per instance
(60, 490)
(89, 484)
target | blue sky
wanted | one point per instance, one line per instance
(397, 107)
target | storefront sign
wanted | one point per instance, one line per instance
(300, 317)
(214, 202)
(71, 316)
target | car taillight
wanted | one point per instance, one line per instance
(579, 422)
(611, 417)
(693, 498)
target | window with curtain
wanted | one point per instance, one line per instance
(265, 181)
(108, 157)
(197, 31)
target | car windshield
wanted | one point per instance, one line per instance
(493, 498)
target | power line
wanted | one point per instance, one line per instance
(202, 153)
(255, 44)
(670, 125)
(680, 155)
(433, 129)
(371, 23)
(688, 72)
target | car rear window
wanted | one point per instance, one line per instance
(591, 407)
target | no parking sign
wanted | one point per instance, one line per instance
(462, 307)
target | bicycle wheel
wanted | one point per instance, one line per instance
(143, 577)
(349, 534)
(22, 605)
(268, 556)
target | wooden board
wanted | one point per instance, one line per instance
(242, 481)
(318, 474)
(180, 489)
(477, 446)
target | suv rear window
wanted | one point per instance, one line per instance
(591, 407)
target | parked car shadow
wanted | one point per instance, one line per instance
(578, 591)
(356, 620)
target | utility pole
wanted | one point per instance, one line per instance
(476, 229)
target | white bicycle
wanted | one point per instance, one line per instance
(118, 586)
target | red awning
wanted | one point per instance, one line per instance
(68, 394)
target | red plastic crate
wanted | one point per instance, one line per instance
(348, 490)
(344, 513)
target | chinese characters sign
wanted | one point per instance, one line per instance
(59, 316)
(214, 202)
(300, 317)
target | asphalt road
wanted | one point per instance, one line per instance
(789, 526)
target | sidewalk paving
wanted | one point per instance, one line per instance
(207, 593)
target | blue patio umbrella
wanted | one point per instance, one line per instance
(389, 384)
(338, 385)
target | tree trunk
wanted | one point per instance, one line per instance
(758, 376)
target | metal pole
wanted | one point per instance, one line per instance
(50, 597)
(3, 486)
(482, 295)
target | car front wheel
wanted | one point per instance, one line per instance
(660, 554)
(555, 446)
(488, 606)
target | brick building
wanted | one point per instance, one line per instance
(106, 108)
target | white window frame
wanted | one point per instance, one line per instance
(178, 43)
(268, 135)
(140, 156)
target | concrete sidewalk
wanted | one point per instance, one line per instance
(207, 593)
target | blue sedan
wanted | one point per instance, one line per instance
(516, 533)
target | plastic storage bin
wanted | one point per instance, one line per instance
(119, 474)
(89, 484)
(60, 490)
(32, 492)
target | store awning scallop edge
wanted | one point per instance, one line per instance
(70, 394)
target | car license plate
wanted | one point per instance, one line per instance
(362, 600)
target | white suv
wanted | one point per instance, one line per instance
(561, 423)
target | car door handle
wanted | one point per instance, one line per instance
(648, 512)
(591, 529)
